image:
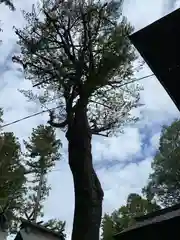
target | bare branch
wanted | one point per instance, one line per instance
(97, 130)
(102, 104)
(119, 85)
(101, 134)
(81, 51)
(54, 124)
(65, 44)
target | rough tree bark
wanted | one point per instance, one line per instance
(38, 197)
(87, 188)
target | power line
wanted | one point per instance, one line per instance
(138, 79)
(17, 176)
(27, 117)
(38, 113)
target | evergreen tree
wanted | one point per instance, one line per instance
(56, 226)
(78, 53)
(164, 181)
(12, 177)
(42, 153)
(124, 217)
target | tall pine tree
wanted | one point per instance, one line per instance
(79, 54)
(164, 181)
(12, 178)
(42, 153)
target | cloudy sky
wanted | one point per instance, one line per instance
(122, 163)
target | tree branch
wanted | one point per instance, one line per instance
(55, 124)
(101, 104)
(96, 130)
(66, 47)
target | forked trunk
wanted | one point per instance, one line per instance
(87, 188)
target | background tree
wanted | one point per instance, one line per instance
(42, 151)
(56, 225)
(16, 198)
(9, 3)
(124, 217)
(79, 54)
(12, 177)
(108, 227)
(164, 182)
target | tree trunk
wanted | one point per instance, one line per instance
(87, 188)
(38, 197)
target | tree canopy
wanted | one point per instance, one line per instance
(164, 182)
(42, 153)
(56, 225)
(78, 55)
(12, 177)
(22, 195)
(124, 217)
(74, 48)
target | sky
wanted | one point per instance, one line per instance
(122, 163)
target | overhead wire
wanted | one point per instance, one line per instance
(27, 117)
(44, 111)
(17, 176)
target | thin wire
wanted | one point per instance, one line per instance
(27, 117)
(16, 177)
(38, 113)
(139, 79)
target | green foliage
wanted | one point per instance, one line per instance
(12, 178)
(8, 3)
(80, 49)
(124, 217)
(164, 182)
(42, 144)
(16, 198)
(56, 226)
(79, 56)
(42, 152)
(108, 228)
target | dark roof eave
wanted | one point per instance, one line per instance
(154, 219)
(26, 223)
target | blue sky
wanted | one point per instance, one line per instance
(123, 163)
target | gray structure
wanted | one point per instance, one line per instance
(161, 224)
(33, 231)
(158, 44)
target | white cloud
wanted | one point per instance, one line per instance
(118, 180)
(61, 201)
(155, 140)
(117, 183)
(117, 148)
(170, 5)
(142, 13)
